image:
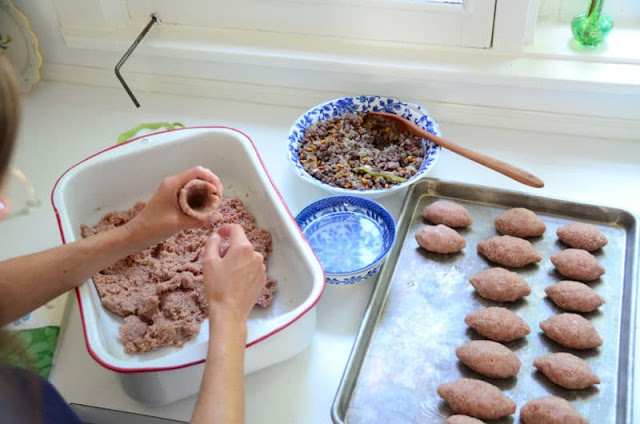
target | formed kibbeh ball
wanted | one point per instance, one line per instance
(509, 251)
(550, 410)
(520, 222)
(582, 236)
(571, 330)
(448, 213)
(574, 296)
(577, 264)
(566, 370)
(498, 324)
(500, 285)
(488, 358)
(462, 419)
(440, 239)
(476, 398)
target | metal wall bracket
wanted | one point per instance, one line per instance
(154, 19)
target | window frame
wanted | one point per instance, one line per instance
(413, 22)
(624, 12)
(507, 85)
(106, 27)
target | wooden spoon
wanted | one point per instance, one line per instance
(497, 165)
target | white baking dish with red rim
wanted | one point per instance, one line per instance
(115, 178)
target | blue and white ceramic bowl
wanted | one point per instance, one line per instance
(351, 236)
(339, 107)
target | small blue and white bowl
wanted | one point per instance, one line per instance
(341, 106)
(351, 236)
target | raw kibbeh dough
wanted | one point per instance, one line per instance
(500, 285)
(476, 398)
(200, 199)
(582, 236)
(488, 358)
(566, 370)
(462, 419)
(440, 239)
(577, 264)
(498, 324)
(574, 296)
(550, 410)
(509, 251)
(520, 222)
(159, 291)
(571, 330)
(447, 213)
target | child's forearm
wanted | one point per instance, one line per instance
(221, 397)
(30, 281)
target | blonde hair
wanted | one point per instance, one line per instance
(12, 348)
(9, 113)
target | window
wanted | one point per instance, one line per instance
(464, 23)
(433, 40)
(552, 34)
(625, 13)
(472, 60)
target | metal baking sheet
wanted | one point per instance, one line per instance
(406, 344)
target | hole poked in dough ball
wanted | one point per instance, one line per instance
(199, 199)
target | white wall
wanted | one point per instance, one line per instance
(480, 88)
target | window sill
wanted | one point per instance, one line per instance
(549, 63)
(463, 85)
(554, 41)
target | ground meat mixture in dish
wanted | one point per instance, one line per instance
(159, 291)
(354, 153)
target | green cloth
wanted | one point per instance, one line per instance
(39, 346)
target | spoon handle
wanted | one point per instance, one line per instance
(510, 171)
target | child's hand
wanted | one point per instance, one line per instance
(162, 217)
(233, 281)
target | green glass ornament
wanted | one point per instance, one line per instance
(592, 27)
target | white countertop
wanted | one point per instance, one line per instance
(64, 123)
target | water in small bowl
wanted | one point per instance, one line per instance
(345, 242)
(351, 236)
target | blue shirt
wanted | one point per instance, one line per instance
(28, 398)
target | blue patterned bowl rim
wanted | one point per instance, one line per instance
(354, 204)
(365, 103)
(352, 278)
